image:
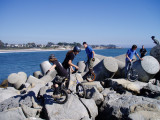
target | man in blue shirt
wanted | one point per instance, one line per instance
(129, 56)
(90, 54)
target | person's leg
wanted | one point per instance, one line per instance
(56, 89)
(126, 68)
(90, 65)
(67, 81)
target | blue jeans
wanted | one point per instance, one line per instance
(127, 67)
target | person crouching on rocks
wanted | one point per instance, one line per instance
(67, 63)
(61, 72)
(129, 57)
(90, 54)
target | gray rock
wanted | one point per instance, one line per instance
(120, 85)
(73, 109)
(12, 114)
(49, 84)
(122, 58)
(30, 112)
(147, 68)
(106, 68)
(38, 74)
(45, 66)
(34, 80)
(155, 52)
(17, 101)
(17, 79)
(86, 118)
(145, 115)
(7, 93)
(95, 95)
(97, 84)
(91, 107)
(81, 65)
(151, 90)
(117, 106)
(36, 89)
(34, 118)
(100, 57)
(107, 91)
(43, 90)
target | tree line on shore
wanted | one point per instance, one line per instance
(50, 45)
(34, 45)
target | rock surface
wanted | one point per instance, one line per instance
(8, 92)
(12, 114)
(73, 109)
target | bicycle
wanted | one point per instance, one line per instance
(62, 94)
(80, 90)
(132, 74)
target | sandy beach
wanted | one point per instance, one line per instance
(30, 50)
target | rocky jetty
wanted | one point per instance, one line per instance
(109, 97)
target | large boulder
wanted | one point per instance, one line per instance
(90, 85)
(36, 89)
(122, 58)
(81, 65)
(117, 106)
(91, 107)
(147, 68)
(155, 52)
(134, 87)
(38, 74)
(16, 101)
(45, 66)
(17, 79)
(7, 93)
(106, 68)
(95, 95)
(73, 109)
(12, 114)
(144, 115)
(34, 80)
(30, 112)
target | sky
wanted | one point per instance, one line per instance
(100, 22)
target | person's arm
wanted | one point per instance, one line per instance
(53, 67)
(139, 57)
(93, 53)
(71, 64)
(72, 70)
(128, 58)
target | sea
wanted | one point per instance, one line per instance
(29, 62)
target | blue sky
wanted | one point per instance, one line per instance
(120, 22)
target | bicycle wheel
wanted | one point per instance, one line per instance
(132, 75)
(80, 90)
(63, 97)
(91, 77)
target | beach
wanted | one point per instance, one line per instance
(29, 50)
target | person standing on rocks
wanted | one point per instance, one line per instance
(61, 71)
(90, 54)
(155, 41)
(129, 57)
(67, 63)
(143, 51)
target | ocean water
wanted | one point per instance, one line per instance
(29, 62)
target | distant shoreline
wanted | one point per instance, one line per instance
(33, 50)
(29, 50)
